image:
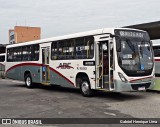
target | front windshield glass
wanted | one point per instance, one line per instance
(134, 52)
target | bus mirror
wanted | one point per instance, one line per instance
(118, 42)
(118, 45)
(151, 43)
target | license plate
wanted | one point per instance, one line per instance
(141, 88)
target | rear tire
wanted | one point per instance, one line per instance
(86, 88)
(28, 81)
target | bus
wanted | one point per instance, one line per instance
(2, 65)
(156, 49)
(109, 59)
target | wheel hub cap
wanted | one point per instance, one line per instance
(85, 87)
(28, 81)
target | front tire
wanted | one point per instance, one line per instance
(85, 88)
(28, 81)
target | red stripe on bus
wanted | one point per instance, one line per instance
(36, 64)
(156, 59)
(24, 64)
(61, 75)
(140, 79)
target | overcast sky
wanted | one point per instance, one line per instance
(59, 17)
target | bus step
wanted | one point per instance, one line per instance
(105, 82)
(106, 86)
(46, 83)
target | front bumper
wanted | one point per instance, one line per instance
(122, 86)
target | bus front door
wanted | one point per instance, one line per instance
(104, 65)
(45, 66)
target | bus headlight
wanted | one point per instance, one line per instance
(122, 77)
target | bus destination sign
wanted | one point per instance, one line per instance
(131, 34)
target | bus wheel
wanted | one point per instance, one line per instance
(28, 81)
(85, 88)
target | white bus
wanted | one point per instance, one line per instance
(111, 59)
(156, 48)
(2, 64)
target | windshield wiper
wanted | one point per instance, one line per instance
(132, 47)
(140, 48)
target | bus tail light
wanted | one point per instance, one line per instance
(122, 77)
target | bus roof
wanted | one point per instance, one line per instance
(75, 35)
(156, 44)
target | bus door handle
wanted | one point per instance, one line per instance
(38, 70)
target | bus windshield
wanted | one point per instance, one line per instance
(134, 53)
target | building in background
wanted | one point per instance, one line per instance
(24, 34)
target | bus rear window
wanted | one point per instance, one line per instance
(2, 58)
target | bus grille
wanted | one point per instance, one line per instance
(136, 86)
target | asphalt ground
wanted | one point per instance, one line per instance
(17, 101)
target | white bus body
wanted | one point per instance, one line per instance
(105, 59)
(156, 48)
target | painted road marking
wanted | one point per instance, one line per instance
(108, 113)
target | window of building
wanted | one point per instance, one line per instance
(11, 37)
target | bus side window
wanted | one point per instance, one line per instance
(85, 47)
(26, 53)
(10, 55)
(62, 50)
(35, 52)
(78, 52)
(156, 51)
(54, 51)
(79, 48)
(89, 47)
(17, 54)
